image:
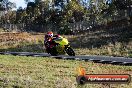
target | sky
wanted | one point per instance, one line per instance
(19, 3)
(23, 4)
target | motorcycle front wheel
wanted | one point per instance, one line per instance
(70, 51)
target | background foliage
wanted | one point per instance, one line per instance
(57, 15)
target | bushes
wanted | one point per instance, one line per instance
(66, 30)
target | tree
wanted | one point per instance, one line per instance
(19, 15)
(8, 5)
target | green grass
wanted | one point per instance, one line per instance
(44, 72)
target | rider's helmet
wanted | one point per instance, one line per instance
(50, 34)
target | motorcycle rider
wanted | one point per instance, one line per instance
(48, 40)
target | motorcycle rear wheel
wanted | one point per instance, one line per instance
(70, 51)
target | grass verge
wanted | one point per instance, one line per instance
(83, 44)
(44, 72)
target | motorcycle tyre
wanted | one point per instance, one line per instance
(70, 51)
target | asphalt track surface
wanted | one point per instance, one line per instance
(97, 59)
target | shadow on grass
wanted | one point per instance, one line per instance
(26, 48)
(98, 37)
